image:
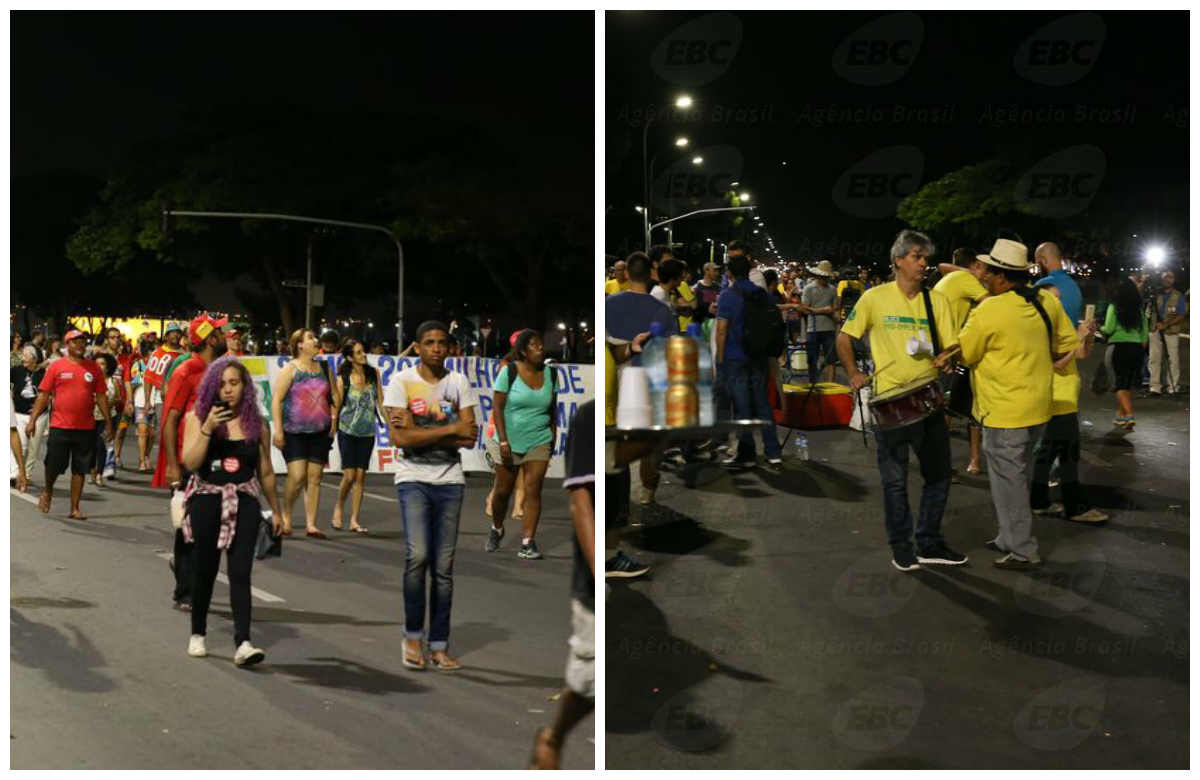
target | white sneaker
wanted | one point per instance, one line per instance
(248, 655)
(196, 648)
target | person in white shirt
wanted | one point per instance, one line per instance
(431, 411)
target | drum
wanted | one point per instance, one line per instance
(908, 403)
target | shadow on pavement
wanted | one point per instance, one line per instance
(669, 532)
(347, 675)
(39, 646)
(1010, 628)
(653, 669)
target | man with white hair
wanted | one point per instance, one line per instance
(23, 382)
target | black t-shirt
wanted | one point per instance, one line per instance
(25, 387)
(581, 473)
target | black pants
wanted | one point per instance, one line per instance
(1059, 441)
(206, 523)
(101, 447)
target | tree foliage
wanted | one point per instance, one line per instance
(974, 199)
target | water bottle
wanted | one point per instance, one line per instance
(802, 446)
(704, 383)
(654, 360)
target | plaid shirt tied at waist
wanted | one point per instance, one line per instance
(229, 505)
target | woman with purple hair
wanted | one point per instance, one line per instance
(227, 449)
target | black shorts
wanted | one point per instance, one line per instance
(1127, 365)
(312, 447)
(355, 450)
(66, 445)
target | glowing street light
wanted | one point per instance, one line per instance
(681, 141)
(683, 101)
(745, 196)
(639, 209)
(1155, 255)
(697, 160)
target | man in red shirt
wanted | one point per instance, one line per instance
(162, 358)
(234, 339)
(208, 344)
(77, 385)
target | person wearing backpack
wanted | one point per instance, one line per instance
(749, 333)
(525, 409)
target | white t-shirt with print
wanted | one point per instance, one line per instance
(432, 405)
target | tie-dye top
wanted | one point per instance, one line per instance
(306, 407)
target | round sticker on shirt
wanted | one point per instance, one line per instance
(230, 465)
(87, 377)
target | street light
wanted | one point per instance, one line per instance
(697, 160)
(681, 141)
(683, 101)
(744, 196)
(639, 209)
(1155, 255)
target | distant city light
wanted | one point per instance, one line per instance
(683, 101)
(1155, 255)
(697, 160)
(681, 141)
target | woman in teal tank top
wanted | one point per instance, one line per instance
(358, 425)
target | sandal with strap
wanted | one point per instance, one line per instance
(445, 663)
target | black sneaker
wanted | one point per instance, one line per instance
(942, 555)
(493, 541)
(530, 551)
(621, 566)
(904, 560)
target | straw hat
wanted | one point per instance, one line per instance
(823, 268)
(1009, 255)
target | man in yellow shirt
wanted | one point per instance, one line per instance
(960, 283)
(1012, 341)
(895, 315)
(620, 281)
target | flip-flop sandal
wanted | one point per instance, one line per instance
(360, 530)
(44, 503)
(316, 534)
(288, 532)
(409, 664)
(443, 666)
(336, 527)
(77, 516)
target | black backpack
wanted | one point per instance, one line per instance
(764, 333)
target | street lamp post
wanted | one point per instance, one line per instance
(668, 222)
(335, 222)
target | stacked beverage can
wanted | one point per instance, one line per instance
(683, 371)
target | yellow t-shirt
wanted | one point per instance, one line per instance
(962, 289)
(842, 285)
(1065, 392)
(685, 293)
(612, 286)
(890, 319)
(1006, 344)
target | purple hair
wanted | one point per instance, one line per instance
(209, 391)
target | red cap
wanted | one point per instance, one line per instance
(201, 327)
(74, 334)
(512, 340)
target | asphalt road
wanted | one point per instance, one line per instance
(100, 677)
(773, 632)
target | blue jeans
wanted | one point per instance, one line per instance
(430, 515)
(930, 440)
(746, 383)
(818, 345)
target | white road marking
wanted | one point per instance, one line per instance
(23, 496)
(261, 595)
(365, 494)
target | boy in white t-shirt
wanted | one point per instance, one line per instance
(432, 415)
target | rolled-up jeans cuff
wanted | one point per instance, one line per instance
(414, 636)
(439, 647)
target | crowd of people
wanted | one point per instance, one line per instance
(1000, 330)
(215, 459)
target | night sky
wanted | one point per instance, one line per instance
(1129, 100)
(87, 88)
(85, 85)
